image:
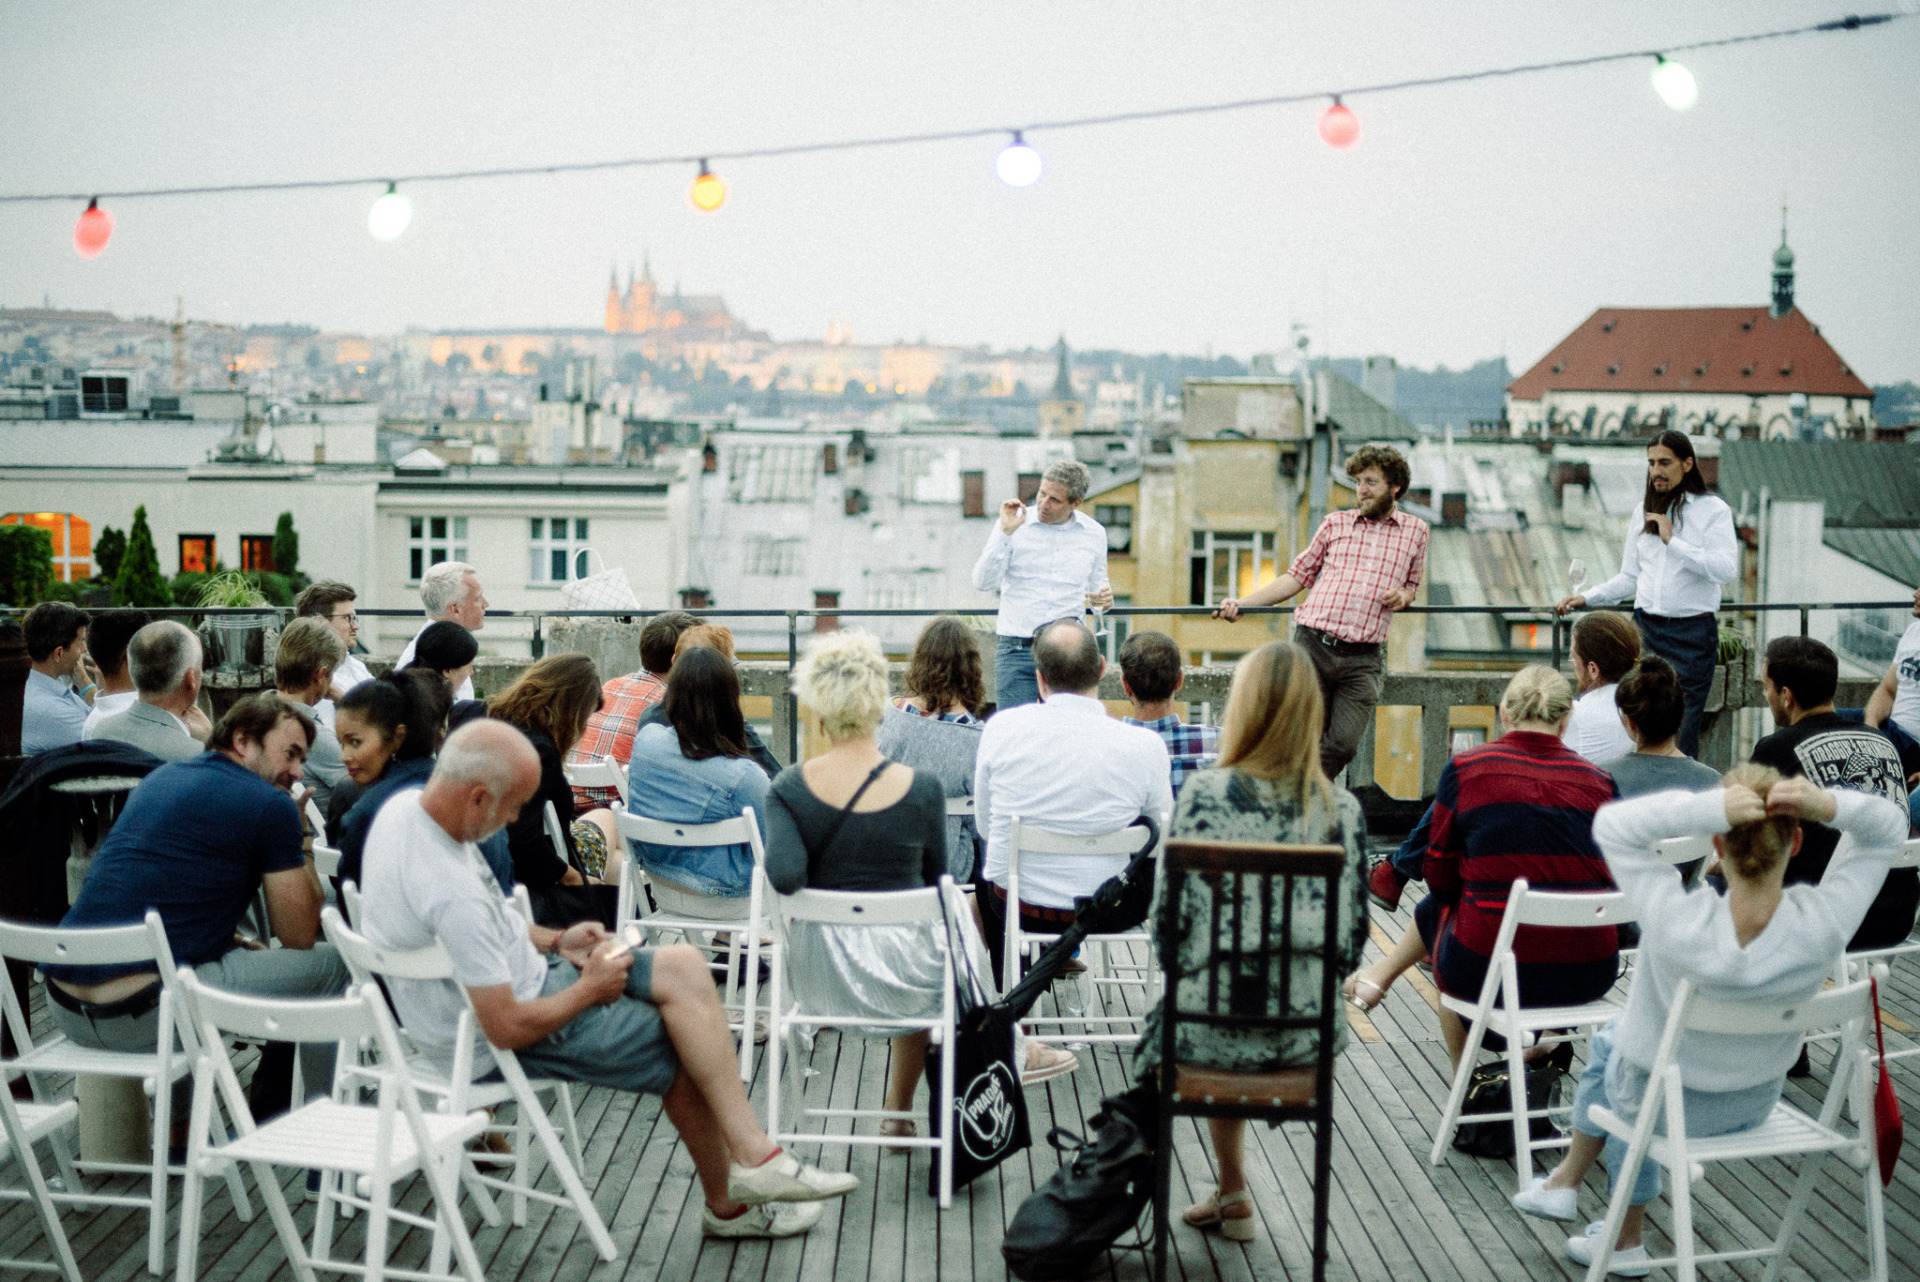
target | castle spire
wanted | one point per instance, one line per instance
(1062, 380)
(646, 266)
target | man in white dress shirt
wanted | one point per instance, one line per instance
(1605, 646)
(332, 602)
(450, 591)
(1681, 549)
(1066, 766)
(1047, 563)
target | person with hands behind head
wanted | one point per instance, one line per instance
(590, 1010)
(1048, 562)
(1763, 941)
(1363, 564)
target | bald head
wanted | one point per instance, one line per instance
(1067, 659)
(485, 773)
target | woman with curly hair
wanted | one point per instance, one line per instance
(933, 727)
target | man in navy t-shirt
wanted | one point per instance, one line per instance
(196, 840)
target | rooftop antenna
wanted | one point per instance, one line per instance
(179, 329)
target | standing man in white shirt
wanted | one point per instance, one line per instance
(1681, 549)
(450, 591)
(1066, 766)
(1047, 563)
(332, 602)
(108, 633)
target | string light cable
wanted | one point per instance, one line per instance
(1662, 59)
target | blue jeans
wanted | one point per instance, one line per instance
(1692, 646)
(1621, 1085)
(1410, 861)
(1013, 679)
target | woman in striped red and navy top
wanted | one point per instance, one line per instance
(1521, 806)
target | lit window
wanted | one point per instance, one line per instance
(1118, 520)
(196, 553)
(433, 539)
(256, 552)
(557, 549)
(1225, 564)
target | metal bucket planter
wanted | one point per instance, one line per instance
(235, 642)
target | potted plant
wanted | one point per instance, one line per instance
(234, 641)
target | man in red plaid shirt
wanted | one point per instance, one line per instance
(623, 701)
(1363, 564)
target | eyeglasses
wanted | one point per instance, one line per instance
(352, 620)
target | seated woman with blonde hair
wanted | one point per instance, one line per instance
(850, 819)
(1519, 807)
(1267, 787)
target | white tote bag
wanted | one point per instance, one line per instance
(605, 590)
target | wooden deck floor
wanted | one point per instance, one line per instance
(1393, 1215)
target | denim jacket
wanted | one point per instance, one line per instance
(662, 784)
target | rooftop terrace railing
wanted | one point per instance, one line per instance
(1435, 693)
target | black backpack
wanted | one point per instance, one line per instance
(1096, 1195)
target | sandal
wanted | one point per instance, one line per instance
(901, 1128)
(1351, 991)
(1212, 1214)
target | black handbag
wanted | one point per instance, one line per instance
(1102, 1187)
(989, 1106)
(1487, 1093)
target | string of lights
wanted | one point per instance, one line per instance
(1018, 163)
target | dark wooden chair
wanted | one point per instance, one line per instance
(1247, 973)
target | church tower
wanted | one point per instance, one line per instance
(1062, 412)
(614, 316)
(642, 298)
(1782, 273)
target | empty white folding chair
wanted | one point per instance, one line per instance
(374, 1146)
(791, 1011)
(1497, 1010)
(21, 1127)
(1787, 1133)
(457, 1092)
(743, 933)
(53, 1061)
(960, 807)
(326, 861)
(1103, 971)
(600, 772)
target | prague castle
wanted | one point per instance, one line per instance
(643, 309)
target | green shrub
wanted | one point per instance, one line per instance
(109, 548)
(138, 581)
(286, 546)
(187, 587)
(26, 564)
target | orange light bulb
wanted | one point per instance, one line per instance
(707, 192)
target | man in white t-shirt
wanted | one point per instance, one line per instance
(449, 591)
(1895, 704)
(108, 633)
(593, 1010)
(1605, 646)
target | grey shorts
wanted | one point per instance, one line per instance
(623, 1046)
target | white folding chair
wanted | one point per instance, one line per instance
(743, 933)
(1787, 1132)
(1103, 971)
(1685, 850)
(557, 834)
(55, 1057)
(600, 772)
(375, 1146)
(21, 1127)
(1497, 1010)
(960, 807)
(457, 1092)
(316, 822)
(847, 910)
(326, 861)
(1855, 965)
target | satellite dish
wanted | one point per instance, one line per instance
(263, 443)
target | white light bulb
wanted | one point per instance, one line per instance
(390, 215)
(1018, 164)
(1674, 83)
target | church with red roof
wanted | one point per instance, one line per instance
(1742, 372)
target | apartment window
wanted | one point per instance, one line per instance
(1029, 486)
(256, 552)
(928, 475)
(973, 494)
(771, 473)
(433, 539)
(557, 549)
(1118, 519)
(196, 554)
(1225, 564)
(771, 556)
(103, 394)
(899, 591)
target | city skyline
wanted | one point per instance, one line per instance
(1471, 222)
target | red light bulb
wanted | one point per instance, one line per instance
(91, 233)
(1339, 127)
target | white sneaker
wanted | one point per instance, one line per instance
(1630, 1263)
(776, 1220)
(784, 1178)
(1548, 1204)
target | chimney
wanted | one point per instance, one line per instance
(694, 599)
(826, 599)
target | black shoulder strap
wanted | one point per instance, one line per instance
(833, 829)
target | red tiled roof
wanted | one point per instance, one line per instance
(1692, 349)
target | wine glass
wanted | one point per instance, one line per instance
(1577, 576)
(1099, 610)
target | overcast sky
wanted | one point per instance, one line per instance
(1471, 221)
